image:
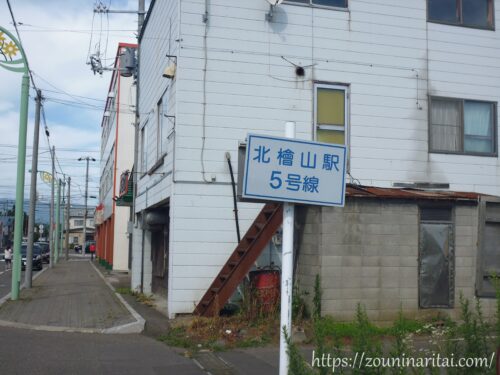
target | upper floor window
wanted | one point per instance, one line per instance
(328, 3)
(331, 113)
(143, 154)
(472, 13)
(161, 126)
(462, 126)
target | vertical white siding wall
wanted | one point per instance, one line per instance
(124, 161)
(159, 39)
(385, 50)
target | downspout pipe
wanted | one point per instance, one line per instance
(235, 201)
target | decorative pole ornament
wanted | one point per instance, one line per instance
(46, 177)
(11, 53)
(13, 58)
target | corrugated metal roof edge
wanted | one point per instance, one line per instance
(360, 191)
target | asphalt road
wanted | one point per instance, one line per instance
(53, 353)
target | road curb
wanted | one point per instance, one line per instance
(7, 296)
(134, 327)
(128, 328)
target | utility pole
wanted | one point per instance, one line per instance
(87, 158)
(62, 220)
(58, 218)
(51, 229)
(18, 57)
(34, 172)
(66, 244)
(133, 211)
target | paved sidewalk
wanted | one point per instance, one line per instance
(262, 361)
(72, 296)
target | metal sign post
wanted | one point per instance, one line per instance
(292, 171)
(286, 272)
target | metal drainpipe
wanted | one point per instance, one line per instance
(235, 202)
(142, 253)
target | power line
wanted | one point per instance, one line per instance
(57, 88)
(22, 46)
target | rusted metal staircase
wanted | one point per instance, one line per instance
(241, 260)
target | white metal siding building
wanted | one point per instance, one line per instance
(117, 156)
(379, 60)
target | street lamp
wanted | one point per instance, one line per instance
(13, 58)
(87, 158)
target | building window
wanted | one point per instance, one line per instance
(161, 127)
(462, 126)
(328, 3)
(79, 223)
(472, 13)
(436, 258)
(75, 240)
(331, 124)
(489, 252)
(143, 150)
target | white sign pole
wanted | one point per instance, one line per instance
(287, 272)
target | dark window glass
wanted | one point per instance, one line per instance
(436, 287)
(331, 3)
(443, 10)
(475, 13)
(435, 214)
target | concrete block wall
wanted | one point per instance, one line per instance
(466, 255)
(308, 248)
(367, 253)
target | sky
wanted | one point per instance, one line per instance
(57, 37)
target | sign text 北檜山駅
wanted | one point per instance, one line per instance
(294, 170)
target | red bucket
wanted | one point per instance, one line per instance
(266, 287)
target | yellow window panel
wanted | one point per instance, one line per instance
(330, 136)
(330, 107)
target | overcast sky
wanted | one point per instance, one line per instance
(57, 36)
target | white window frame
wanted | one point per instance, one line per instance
(460, 23)
(311, 4)
(346, 127)
(144, 156)
(161, 126)
(462, 151)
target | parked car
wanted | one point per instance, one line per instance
(45, 246)
(87, 246)
(37, 257)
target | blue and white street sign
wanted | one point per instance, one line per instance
(293, 170)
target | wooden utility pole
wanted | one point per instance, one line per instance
(66, 240)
